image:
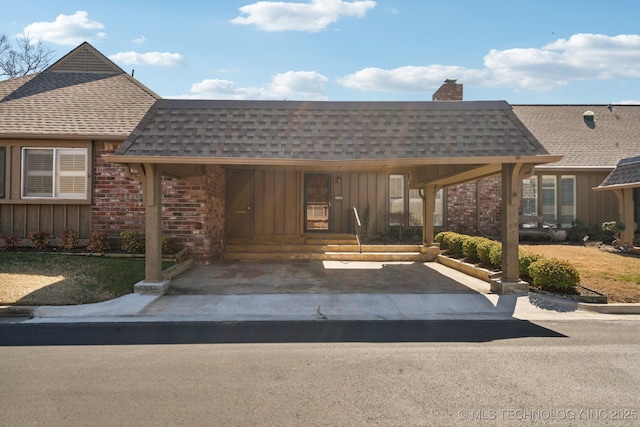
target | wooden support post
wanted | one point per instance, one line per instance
(512, 175)
(153, 282)
(625, 210)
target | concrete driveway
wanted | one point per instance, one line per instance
(323, 277)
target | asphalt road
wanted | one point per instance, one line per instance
(321, 373)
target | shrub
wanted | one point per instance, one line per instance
(495, 256)
(470, 248)
(98, 241)
(440, 239)
(39, 239)
(484, 249)
(552, 274)
(68, 240)
(454, 243)
(11, 241)
(525, 259)
(132, 242)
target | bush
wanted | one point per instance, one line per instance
(39, 239)
(132, 242)
(470, 248)
(11, 241)
(68, 240)
(454, 243)
(440, 239)
(495, 256)
(525, 259)
(98, 241)
(484, 249)
(552, 274)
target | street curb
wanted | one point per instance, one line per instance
(615, 308)
(16, 311)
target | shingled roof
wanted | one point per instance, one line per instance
(612, 134)
(626, 174)
(271, 131)
(83, 95)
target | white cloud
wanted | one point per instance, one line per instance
(66, 30)
(306, 85)
(313, 16)
(156, 59)
(139, 40)
(409, 78)
(581, 57)
(629, 102)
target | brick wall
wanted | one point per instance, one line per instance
(475, 207)
(490, 201)
(461, 208)
(192, 208)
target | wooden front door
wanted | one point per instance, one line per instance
(317, 191)
(239, 203)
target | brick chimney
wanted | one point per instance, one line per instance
(449, 91)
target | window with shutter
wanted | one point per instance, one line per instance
(54, 173)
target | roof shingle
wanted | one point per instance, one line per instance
(562, 129)
(330, 130)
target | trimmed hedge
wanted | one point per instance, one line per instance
(547, 274)
(552, 274)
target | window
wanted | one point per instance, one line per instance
(3, 164)
(556, 198)
(54, 173)
(438, 213)
(396, 200)
(405, 206)
(567, 200)
(549, 199)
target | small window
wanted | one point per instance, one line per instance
(3, 172)
(59, 173)
(568, 198)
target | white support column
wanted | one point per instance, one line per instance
(511, 195)
(153, 282)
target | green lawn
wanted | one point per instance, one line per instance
(55, 279)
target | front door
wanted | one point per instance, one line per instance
(240, 202)
(317, 192)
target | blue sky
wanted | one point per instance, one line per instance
(522, 51)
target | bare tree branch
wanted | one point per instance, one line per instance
(27, 58)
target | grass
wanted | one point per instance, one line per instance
(54, 279)
(614, 274)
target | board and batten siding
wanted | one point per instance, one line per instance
(595, 207)
(278, 205)
(22, 219)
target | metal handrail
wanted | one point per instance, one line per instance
(358, 226)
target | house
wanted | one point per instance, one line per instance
(591, 139)
(624, 181)
(85, 146)
(55, 127)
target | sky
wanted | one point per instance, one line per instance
(521, 51)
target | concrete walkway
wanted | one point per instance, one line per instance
(325, 291)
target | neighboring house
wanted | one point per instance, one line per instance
(54, 128)
(591, 139)
(624, 182)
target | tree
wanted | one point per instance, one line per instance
(27, 58)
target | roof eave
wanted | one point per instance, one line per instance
(341, 163)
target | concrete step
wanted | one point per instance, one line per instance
(258, 248)
(335, 256)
